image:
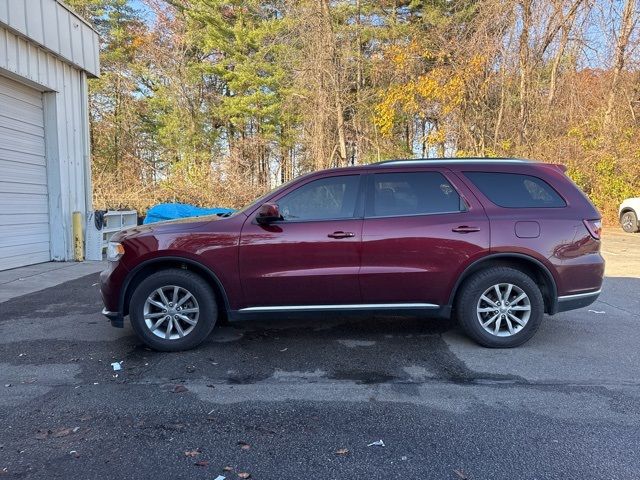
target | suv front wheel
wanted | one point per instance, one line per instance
(173, 310)
(500, 307)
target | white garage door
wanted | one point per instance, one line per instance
(24, 206)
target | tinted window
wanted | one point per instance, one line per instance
(323, 199)
(412, 193)
(516, 191)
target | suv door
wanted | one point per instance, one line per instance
(312, 256)
(421, 229)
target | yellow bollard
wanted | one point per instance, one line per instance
(78, 239)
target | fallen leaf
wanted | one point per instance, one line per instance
(244, 475)
(180, 389)
(202, 463)
(227, 469)
(62, 432)
(461, 475)
(244, 446)
(193, 453)
(342, 451)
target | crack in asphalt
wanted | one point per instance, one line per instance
(634, 314)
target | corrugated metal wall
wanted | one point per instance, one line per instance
(53, 26)
(54, 72)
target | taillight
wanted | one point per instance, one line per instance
(594, 227)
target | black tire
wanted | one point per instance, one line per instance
(194, 284)
(469, 298)
(629, 222)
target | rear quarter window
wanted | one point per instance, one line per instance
(512, 190)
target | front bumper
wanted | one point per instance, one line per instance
(115, 318)
(578, 300)
(111, 281)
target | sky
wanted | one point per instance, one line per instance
(141, 6)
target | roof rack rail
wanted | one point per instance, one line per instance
(452, 160)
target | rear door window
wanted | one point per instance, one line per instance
(412, 193)
(512, 190)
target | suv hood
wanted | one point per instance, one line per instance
(168, 226)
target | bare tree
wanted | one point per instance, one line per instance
(627, 24)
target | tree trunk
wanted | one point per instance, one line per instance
(342, 142)
(496, 132)
(627, 23)
(553, 81)
(359, 84)
(523, 61)
(564, 40)
(336, 71)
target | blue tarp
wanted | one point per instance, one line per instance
(172, 211)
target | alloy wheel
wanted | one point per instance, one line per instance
(627, 222)
(171, 312)
(503, 309)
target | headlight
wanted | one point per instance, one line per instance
(115, 250)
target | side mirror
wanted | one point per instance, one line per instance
(269, 212)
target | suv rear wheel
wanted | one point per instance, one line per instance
(500, 307)
(173, 310)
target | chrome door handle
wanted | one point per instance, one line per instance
(465, 229)
(341, 234)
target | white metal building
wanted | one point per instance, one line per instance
(47, 52)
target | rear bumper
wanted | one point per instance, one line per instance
(578, 300)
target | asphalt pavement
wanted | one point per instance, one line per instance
(303, 398)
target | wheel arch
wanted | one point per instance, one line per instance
(141, 271)
(625, 210)
(529, 265)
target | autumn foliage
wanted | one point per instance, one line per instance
(213, 102)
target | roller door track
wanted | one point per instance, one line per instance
(24, 203)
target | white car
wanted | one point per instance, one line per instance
(629, 212)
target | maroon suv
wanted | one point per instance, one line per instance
(496, 242)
